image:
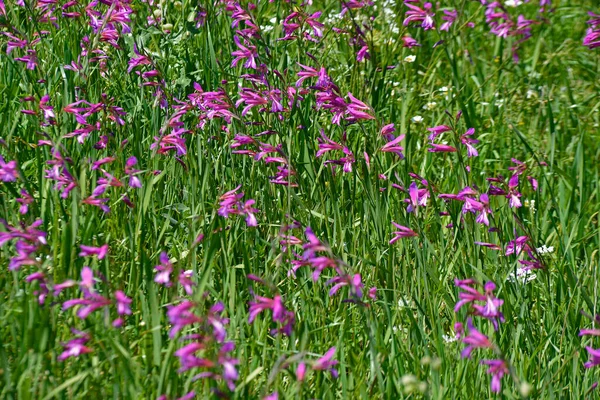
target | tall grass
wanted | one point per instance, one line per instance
(542, 110)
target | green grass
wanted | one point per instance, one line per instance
(379, 346)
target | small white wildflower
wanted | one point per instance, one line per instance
(499, 103)
(531, 94)
(410, 59)
(522, 275)
(417, 119)
(545, 250)
(449, 338)
(430, 106)
(513, 3)
(273, 20)
(444, 89)
(403, 303)
(267, 28)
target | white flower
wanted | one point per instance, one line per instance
(545, 250)
(522, 275)
(410, 59)
(417, 119)
(449, 338)
(404, 303)
(267, 28)
(430, 106)
(444, 89)
(513, 3)
(531, 94)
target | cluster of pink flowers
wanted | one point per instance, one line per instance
(231, 203)
(484, 305)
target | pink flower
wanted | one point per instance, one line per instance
(164, 269)
(88, 251)
(402, 232)
(474, 340)
(497, 368)
(123, 303)
(8, 170)
(75, 347)
(326, 363)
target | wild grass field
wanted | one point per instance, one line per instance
(299, 199)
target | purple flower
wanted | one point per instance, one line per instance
(8, 170)
(88, 251)
(123, 303)
(592, 36)
(181, 316)
(469, 142)
(25, 201)
(497, 368)
(441, 148)
(392, 146)
(354, 282)
(513, 194)
(474, 340)
(75, 347)
(326, 363)
(185, 280)
(164, 269)
(280, 313)
(449, 18)
(402, 232)
(248, 53)
(594, 357)
(417, 14)
(484, 304)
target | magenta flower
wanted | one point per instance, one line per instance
(25, 201)
(354, 282)
(441, 148)
(393, 147)
(469, 142)
(185, 280)
(417, 14)
(474, 340)
(181, 316)
(75, 347)
(594, 357)
(280, 313)
(513, 194)
(517, 245)
(402, 232)
(244, 53)
(301, 372)
(88, 251)
(8, 170)
(326, 363)
(449, 18)
(123, 303)
(497, 368)
(417, 197)
(357, 109)
(164, 269)
(484, 304)
(592, 36)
